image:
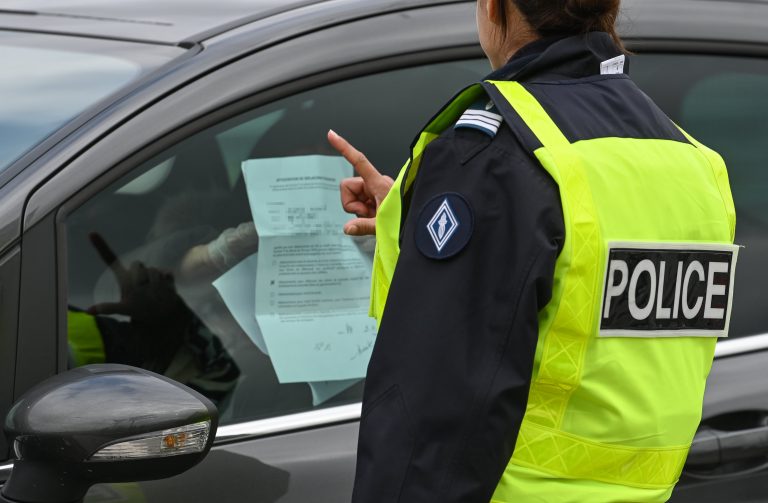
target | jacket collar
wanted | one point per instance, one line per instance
(560, 58)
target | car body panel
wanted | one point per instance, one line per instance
(728, 394)
(10, 264)
(294, 468)
(36, 357)
(711, 20)
(171, 22)
(727, 390)
(168, 22)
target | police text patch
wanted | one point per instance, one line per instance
(668, 290)
(444, 226)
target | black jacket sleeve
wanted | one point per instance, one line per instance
(449, 376)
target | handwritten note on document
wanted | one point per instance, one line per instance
(236, 288)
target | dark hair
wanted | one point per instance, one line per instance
(567, 17)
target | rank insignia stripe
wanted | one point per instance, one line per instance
(667, 290)
(481, 118)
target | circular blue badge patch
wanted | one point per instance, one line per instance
(444, 226)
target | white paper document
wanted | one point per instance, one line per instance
(296, 195)
(236, 288)
(312, 282)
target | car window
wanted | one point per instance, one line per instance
(242, 286)
(49, 79)
(721, 101)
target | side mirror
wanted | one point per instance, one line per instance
(103, 423)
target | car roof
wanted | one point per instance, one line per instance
(175, 22)
(740, 21)
(155, 21)
(158, 21)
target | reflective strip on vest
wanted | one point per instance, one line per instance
(566, 342)
(571, 456)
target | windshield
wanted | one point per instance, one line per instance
(48, 80)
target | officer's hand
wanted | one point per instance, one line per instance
(147, 295)
(363, 194)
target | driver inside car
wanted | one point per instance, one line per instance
(161, 333)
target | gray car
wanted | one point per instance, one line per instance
(130, 121)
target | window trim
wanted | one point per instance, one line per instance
(10, 279)
(289, 423)
(5, 471)
(742, 345)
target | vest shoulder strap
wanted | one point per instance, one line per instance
(519, 104)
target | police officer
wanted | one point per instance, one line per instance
(553, 267)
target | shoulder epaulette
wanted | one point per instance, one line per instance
(482, 116)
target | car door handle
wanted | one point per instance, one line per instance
(714, 447)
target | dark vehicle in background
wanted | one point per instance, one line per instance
(130, 121)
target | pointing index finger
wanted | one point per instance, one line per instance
(356, 158)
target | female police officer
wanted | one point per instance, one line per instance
(563, 260)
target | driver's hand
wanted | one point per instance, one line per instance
(147, 295)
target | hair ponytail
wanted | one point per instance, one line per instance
(568, 17)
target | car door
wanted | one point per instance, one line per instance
(106, 239)
(719, 99)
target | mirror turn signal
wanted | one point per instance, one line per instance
(103, 424)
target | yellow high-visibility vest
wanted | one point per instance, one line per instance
(614, 402)
(84, 338)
